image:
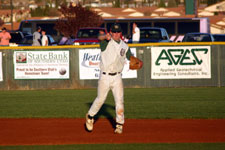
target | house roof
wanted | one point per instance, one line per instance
(104, 14)
(136, 14)
(155, 12)
(171, 13)
(129, 10)
(218, 20)
(216, 7)
(206, 13)
(161, 10)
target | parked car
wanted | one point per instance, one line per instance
(219, 37)
(198, 37)
(152, 35)
(86, 36)
(16, 37)
(28, 41)
(66, 41)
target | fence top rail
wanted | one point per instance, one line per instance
(97, 46)
(177, 44)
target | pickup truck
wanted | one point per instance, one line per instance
(87, 36)
(152, 35)
(198, 37)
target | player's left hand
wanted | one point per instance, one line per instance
(135, 63)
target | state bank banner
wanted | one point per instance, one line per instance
(89, 60)
(1, 75)
(41, 64)
(184, 62)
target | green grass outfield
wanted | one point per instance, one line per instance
(152, 103)
(182, 146)
(159, 103)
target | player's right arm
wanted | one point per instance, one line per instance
(104, 40)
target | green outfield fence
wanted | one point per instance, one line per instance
(144, 78)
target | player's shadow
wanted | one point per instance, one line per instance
(104, 111)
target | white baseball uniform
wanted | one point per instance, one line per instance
(136, 35)
(112, 62)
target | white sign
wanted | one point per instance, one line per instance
(41, 64)
(1, 75)
(186, 62)
(89, 60)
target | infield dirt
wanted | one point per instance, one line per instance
(72, 131)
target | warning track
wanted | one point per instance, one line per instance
(71, 131)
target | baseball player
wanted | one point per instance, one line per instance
(113, 57)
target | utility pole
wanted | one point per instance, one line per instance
(11, 6)
(196, 8)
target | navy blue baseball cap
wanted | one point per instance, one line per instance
(116, 28)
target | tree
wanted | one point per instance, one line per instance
(116, 4)
(178, 2)
(172, 3)
(39, 12)
(1, 22)
(211, 2)
(56, 3)
(76, 17)
(162, 3)
(127, 2)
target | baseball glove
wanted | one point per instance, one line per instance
(135, 63)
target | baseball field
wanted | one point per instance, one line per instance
(156, 119)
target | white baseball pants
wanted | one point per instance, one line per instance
(105, 83)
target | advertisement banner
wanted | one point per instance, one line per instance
(41, 64)
(1, 75)
(184, 62)
(89, 60)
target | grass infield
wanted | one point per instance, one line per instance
(154, 103)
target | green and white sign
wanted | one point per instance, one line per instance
(184, 62)
(41, 64)
(1, 75)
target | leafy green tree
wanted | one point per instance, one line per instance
(36, 12)
(211, 2)
(46, 10)
(117, 4)
(39, 12)
(177, 1)
(172, 3)
(38, 1)
(76, 17)
(56, 3)
(1, 2)
(149, 2)
(127, 2)
(162, 3)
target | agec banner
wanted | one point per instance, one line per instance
(183, 62)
